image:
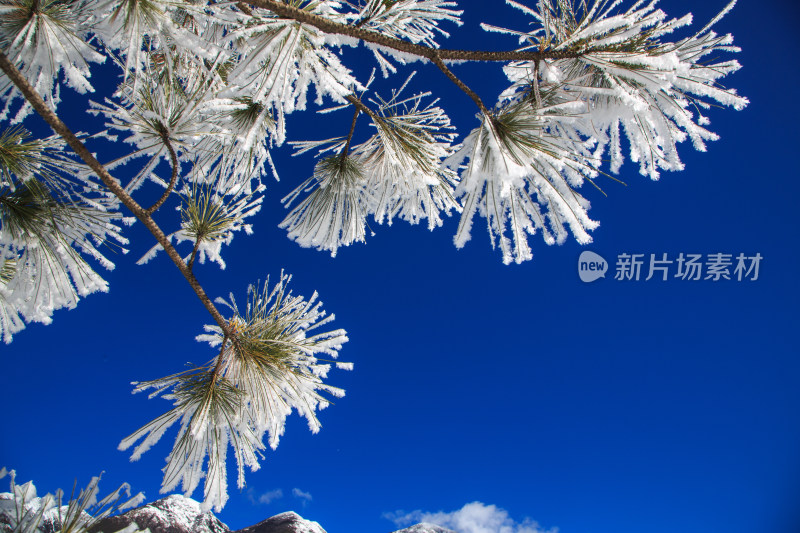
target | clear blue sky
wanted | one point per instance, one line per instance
(605, 407)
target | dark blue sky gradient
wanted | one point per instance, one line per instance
(612, 406)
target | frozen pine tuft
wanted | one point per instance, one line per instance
(210, 215)
(631, 78)
(53, 217)
(395, 173)
(415, 21)
(334, 212)
(275, 364)
(521, 169)
(47, 38)
(23, 511)
(523, 180)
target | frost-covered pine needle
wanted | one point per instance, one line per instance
(52, 216)
(81, 513)
(269, 368)
(335, 210)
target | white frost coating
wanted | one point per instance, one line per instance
(334, 213)
(50, 41)
(395, 173)
(43, 254)
(233, 207)
(278, 60)
(235, 76)
(25, 512)
(402, 174)
(577, 108)
(271, 370)
(522, 179)
(416, 21)
(651, 90)
(137, 28)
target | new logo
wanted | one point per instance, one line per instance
(591, 267)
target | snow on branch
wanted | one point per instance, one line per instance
(632, 78)
(82, 513)
(269, 368)
(207, 89)
(45, 38)
(553, 124)
(522, 180)
(397, 172)
(415, 21)
(50, 220)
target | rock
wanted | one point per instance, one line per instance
(289, 522)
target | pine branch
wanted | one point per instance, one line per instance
(346, 149)
(172, 180)
(38, 104)
(461, 85)
(361, 106)
(244, 8)
(328, 26)
(194, 252)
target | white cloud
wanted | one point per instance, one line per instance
(265, 498)
(269, 497)
(304, 496)
(475, 517)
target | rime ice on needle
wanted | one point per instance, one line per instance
(50, 214)
(270, 368)
(282, 59)
(210, 215)
(414, 21)
(394, 173)
(29, 513)
(624, 76)
(46, 38)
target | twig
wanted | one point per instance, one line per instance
(328, 26)
(38, 104)
(352, 130)
(190, 264)
(361, 106)
(461, 85)
(172, 181)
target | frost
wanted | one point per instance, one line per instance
(269, 369)
(25, 512)
(412, 20)
(52, 218)
(44, 42)
(396, 173)
(210, 216)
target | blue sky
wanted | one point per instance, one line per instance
(612, 406)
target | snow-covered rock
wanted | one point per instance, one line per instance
(179, 514)
(173, 514)
(284, 523)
